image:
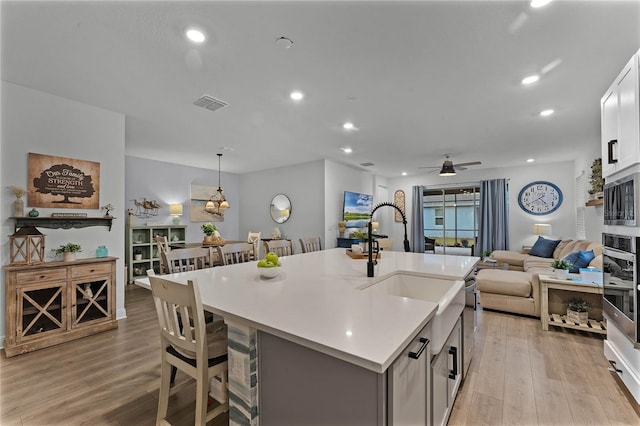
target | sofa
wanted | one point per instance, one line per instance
(516, 288)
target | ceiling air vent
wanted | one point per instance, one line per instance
(368, 164)
(210, 103)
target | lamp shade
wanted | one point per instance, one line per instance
(175, 209)
(375, 225)
(542, 229)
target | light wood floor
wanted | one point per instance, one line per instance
(519, 375)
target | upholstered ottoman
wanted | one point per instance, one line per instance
(510, 291)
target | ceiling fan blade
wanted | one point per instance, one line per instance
(471, 163)
(429, 167)
(458, 168)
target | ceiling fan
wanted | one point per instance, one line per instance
(450, 169)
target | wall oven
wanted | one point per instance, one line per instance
(620, 201)
(621, 283)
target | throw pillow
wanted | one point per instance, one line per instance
(572, 258)
(579, 259)
(544, 247)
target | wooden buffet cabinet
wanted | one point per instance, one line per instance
(54, 302)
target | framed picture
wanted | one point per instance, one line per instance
(63, 182)
(200, 194)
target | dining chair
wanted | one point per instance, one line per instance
(162, 244)
(279, 247)
(193, 347)
(310, 244)
(230, 254)
(385, 243)
(181, 260)
(254, 238)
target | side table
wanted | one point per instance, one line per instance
(548, 282)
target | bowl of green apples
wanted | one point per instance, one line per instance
(270, 265)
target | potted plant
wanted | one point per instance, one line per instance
(578, 310)
(486, 255)
(209, 231)
(137, 254)
(596, 180)
(561, 268)
(69, 251)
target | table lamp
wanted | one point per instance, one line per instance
(175, 210)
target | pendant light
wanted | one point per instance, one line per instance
(217, 202)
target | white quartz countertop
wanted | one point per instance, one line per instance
(315, 301)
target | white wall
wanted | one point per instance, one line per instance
(302, 183)
(337, 179)
(521, 223)
(170, 183)
(38, 122)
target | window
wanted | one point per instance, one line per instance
(451, 218)
(439, 216)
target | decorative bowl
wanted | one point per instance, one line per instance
(270, 272)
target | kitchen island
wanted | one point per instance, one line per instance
(318, 303)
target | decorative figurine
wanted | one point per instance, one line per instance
(108, 208)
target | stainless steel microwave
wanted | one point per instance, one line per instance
(621, 201)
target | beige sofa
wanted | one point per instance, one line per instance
(517, 289)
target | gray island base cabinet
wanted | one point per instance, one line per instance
(446, 375)
(293, 379)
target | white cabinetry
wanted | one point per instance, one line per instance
(620, 117)
(409, 383)
(446, 376)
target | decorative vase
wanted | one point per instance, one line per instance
(34, 213)
(68, 256)
(18, 208)
(577, 317)
(208, 239)
(102, 251)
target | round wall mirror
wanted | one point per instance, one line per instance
(280, 208)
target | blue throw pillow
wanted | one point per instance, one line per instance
(572, 258)
(544, 247)
(579, 259)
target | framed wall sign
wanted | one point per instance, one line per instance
(398, 200)
(63, 182)
(540, 198)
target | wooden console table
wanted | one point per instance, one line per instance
(548, 282)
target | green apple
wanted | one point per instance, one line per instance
(262, 263)
(269, 264)
(272, 257)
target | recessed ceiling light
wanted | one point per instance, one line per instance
(346, 150)
(530, 160)
(539, 3)
(530, 79)
(404, 173)
(546, 112)
(195, 36)
(296, 95)
(348, 126)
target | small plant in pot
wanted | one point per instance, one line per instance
(137, 254)
(578, 310)
(210, 232)
(561, 268)
(69, 251)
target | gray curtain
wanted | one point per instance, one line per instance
(417, 220)
(493, 229)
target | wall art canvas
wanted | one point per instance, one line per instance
(63, 182)
(200, 194)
